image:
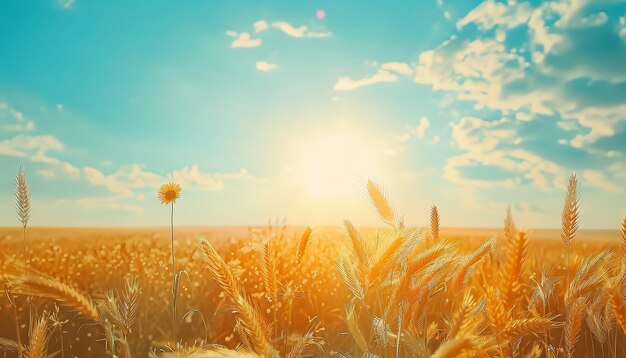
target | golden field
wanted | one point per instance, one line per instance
(393, 291)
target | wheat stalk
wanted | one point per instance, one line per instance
(8, 345)
(22, 206)
(510, 275)
(526, 326)
(268, 269)
(358, 245)
(303, 244)
(39, 338)
(380, 268)
(22, 198)
(454, 347)
(51, 288)
(380, 202)
(470, 260)
(220, 270)
(569, 217)
(569, 220)
(462, 319)
(346, 270)
(353, 327)
(254, 326)
(573, 324)
(624, 239)
(130, 302)
(434, 222)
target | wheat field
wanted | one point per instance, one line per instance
(280, 291)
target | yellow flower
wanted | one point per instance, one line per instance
(168, 193)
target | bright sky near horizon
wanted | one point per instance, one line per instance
(271, 109)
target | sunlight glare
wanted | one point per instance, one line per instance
(336, 164)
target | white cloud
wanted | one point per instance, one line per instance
(482, 69)
(124, 180)
(265, 66)
(194, 178)
(260, 26)
(244, 40)
(597, 179)
(490, 14)
(12, 120)
(65, 4)
(288, 29)
(124, 185)
(421, 128)
(494, 144)
(298, 32)
(398, 67)
(347, 84)
(30, 146)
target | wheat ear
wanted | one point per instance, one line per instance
(511, 273)
(454, 347)
(7, 345)
(353, 327)
(39, 338)
(130, 302)
(624, 239)
(379, 269)
(22, 206)
(434, 222)
(57, 290)
(358, 245)
(254, 327)
(303, 244)
(380, 202)
(461, 322)
(526, 326)
(269, 269)
(220, 270)
(569, 217)
(573, 324)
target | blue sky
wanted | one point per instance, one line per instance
(267, 109)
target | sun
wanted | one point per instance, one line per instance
(335, 164)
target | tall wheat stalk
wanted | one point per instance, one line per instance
(22, 205)
(434, 222)
(569, 225)
(624, 240)
(569, 218)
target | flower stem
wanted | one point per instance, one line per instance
(174, 333)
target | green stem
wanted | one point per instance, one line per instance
(174, 333)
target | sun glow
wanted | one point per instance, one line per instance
(336, 164)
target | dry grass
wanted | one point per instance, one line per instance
(397, 291)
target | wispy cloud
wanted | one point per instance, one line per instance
(243, 40)
(421, 128)
(65, 4)
(12, 120)
(348, 84)
(300, 31)
(398, 67)
(265, 66)
(125, 185)
(261, 26)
